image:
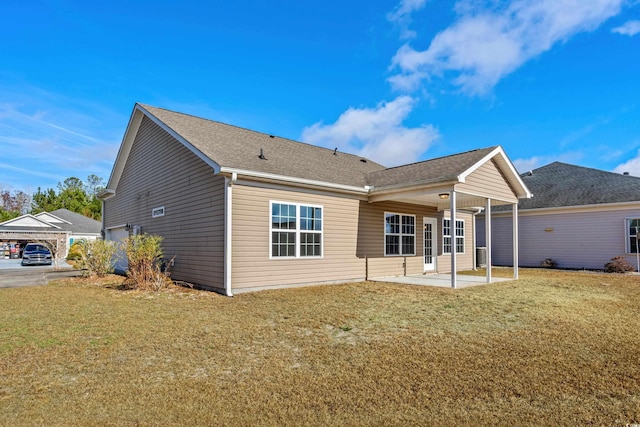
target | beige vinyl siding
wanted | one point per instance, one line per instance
(353, 236)
(372, 243)
(488, 181)
(574, 240)
(463, 261)
(251, 265)
(162, 172)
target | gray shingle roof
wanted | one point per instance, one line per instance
(429, 171)
(234, 147)
(561, 184)
(79, 223)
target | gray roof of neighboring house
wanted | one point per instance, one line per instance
(561, 184)
(435, 170)
(79, 223)
(234, 147)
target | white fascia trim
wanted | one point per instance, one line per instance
(603, 207)
(51, 215)
(115, 226)
(292, 180)
(499, 151)
(432, 187)
(194, 150)
(106, 194)
(125, 149)
(43, 222)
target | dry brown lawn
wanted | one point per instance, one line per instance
(554, 348)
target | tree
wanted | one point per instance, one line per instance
(45, 201)
(74, 195)
(13, 204)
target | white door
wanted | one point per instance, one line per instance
(429, 236)
(116, 235)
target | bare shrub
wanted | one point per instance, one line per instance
(146, 268)
(618, 264)
(96, 257)
(549, 263)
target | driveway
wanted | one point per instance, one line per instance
(13, 275)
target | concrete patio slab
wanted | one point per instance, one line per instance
(440, 280)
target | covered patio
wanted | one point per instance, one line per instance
(472, 182)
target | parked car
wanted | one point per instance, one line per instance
(36, 254)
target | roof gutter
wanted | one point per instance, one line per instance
(262, 176)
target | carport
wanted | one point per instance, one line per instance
(21, 236)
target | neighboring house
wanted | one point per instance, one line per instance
(61, 225)
(579, 217)
(242, 210)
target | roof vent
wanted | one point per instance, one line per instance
(625, 173)
(261, 156)
(530, 173)
(271, 136)
(335, 151)
(363, 160)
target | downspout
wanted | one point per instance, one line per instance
(228, 225)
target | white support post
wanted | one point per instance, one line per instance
(487, 230)
(452, 228)
(515, 241)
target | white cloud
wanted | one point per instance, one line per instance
(401, 16)
(488, 41)
(629, 28)
(525, 165)
(376, 133)
(632, 166)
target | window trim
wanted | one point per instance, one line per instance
(454, 241)
(297, 231)
(627, 235)
(400, 235)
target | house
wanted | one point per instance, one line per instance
(61, 225)
(242, 210)
(579, 217)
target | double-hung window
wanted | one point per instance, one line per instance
(633, 228)
(447, 240)
(399, 234)
(296, 230)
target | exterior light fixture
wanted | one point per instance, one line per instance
(443, 196)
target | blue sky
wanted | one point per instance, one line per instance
(397, 81)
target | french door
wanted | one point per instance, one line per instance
(429, 236)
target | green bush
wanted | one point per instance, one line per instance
(96, 257)
(75, 251)
(145, 262)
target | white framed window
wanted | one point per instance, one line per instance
(632, 227)
(295, 230)
(399, 234)
(447, 238)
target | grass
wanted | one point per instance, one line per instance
(554, 348)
